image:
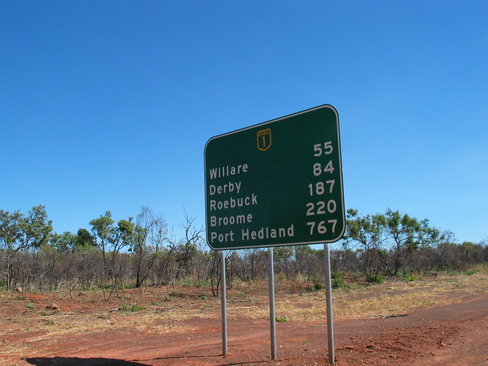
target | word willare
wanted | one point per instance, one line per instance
(227, 170)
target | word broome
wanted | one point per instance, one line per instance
(276, 183)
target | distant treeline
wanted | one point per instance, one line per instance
(135, 252)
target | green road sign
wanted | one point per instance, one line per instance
(276, 183)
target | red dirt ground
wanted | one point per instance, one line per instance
(455, 334)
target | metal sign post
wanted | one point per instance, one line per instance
(328, 293)
(272, 313)
(223, 294)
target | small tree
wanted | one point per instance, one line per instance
(21, 233)
(102, 230)
(150, 234)
(367, 231)
(110, 240)
(404, 231)
(186, 249)
(84, 241)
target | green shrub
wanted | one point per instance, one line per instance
(335, 275)
(134, 308)
(409, 277)
(338, 282)
(186, 282)
(374, 278)
(315, 287)
(337, 279)
(167, 298)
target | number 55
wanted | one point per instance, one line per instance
(317, 148)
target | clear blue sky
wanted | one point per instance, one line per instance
(107, 105)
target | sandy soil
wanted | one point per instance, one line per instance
(31, 334)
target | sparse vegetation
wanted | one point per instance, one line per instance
(392, 296)
(113, 257)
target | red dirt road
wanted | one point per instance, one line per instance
(455, 334)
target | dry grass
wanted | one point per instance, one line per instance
(391, 297)
(159, 312)
(372, 300)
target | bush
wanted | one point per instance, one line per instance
(409, 277)
(338, 282)
(315, 287)
(134, 308)
(374, 278)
